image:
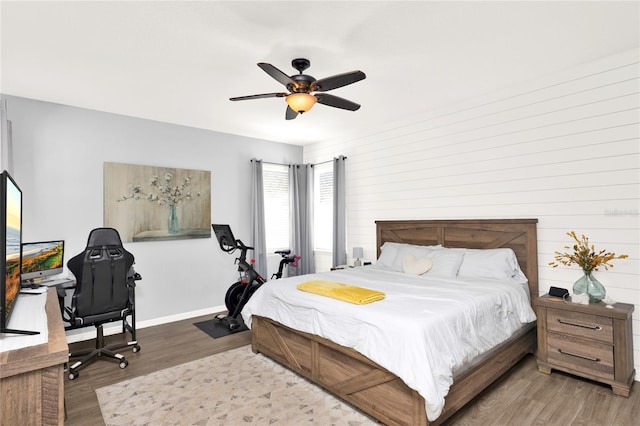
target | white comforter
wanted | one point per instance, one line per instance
(422, 331)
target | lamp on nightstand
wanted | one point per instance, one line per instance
(358, 254)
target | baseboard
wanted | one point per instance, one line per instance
(88, 333)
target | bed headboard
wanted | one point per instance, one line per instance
(517, 234)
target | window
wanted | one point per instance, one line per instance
(323, 207)
(276, 206)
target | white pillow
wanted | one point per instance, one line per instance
(500, 263)
(417, 251)
(401, 250)
(445, 262)
(388, 253)
(415, 266)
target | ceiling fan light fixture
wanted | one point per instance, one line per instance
(301, 102)
(300, 87)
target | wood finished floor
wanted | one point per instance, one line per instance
(521, 397)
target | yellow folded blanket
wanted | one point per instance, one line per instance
(345, 292)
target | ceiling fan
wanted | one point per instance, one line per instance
(300, 98)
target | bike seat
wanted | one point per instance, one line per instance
(283, 252)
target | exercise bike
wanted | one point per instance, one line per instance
(287, 259)
(240, 292)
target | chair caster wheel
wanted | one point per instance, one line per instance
(73, 375)
(124, 363)
(135, 349)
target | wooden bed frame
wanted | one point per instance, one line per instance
(374, 390)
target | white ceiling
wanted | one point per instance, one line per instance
(180, 61)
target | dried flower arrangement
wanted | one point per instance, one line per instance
(585, 256)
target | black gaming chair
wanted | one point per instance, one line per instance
(104, 292)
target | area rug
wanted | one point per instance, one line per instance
(236, 387)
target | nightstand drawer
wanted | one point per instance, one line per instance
(581, 325)
(581, 355)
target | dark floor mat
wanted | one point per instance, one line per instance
(217, 328)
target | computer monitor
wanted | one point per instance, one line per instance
(11, 229)
(225, 237)
(42, 259)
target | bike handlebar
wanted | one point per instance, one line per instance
(288, 258)
(244, 266)
(294, 260)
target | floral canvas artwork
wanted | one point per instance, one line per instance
(147, 203)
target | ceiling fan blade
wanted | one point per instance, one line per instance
(333, 82)
(290, 114)
(277, 74)
(336, 102)
(263, 95)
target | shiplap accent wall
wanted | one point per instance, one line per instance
(564, 149)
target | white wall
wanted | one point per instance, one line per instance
(563, 149)
(59, 153)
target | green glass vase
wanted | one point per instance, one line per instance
(587, 284)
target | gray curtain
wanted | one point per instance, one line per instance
(301, 217)
(339, 212)
(258, 235)
(6, 156)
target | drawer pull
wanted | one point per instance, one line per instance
(575, 324)
(589, 358)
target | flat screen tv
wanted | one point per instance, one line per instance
(11, 230)
(42, 259)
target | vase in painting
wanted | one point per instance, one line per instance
(173, 226)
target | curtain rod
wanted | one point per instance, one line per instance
(282, 164)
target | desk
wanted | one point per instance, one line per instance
(32, 378)
(61, 286)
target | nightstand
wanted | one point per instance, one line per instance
(340, 268)
(591, 341)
